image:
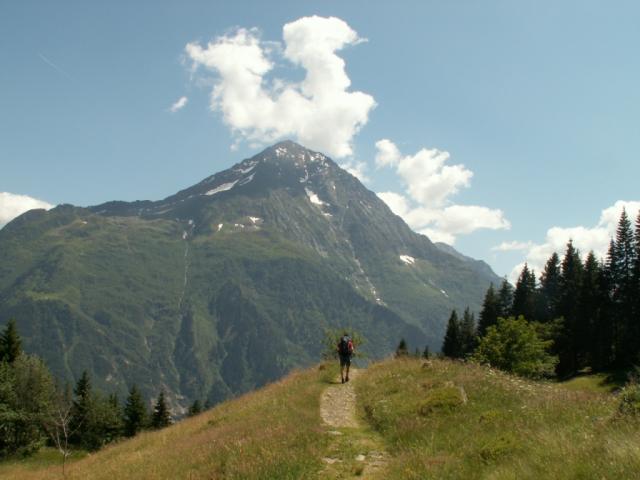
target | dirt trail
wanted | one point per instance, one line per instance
(338, 404)
(356, 451)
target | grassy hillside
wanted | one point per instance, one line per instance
(459, 421)
(273, 433)
(442, 420)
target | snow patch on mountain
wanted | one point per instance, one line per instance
(246, 180)
(247, 168)
(313, 197)
(407, 259)
(222, 188)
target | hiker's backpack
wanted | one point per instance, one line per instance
(345, 347)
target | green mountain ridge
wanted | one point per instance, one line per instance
(228, 284)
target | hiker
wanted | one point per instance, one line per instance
(345, 351)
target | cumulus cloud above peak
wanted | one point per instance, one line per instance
(13, 205)
(430, 183)
(318, 112)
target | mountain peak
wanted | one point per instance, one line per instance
(288, 144)
(292, 151)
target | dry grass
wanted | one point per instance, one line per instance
(268, 434)
(508, 428)
(447, 420)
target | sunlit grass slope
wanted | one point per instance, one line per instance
(274, 433)
(450, 420)
(436, 419)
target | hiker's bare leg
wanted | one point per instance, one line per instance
(348, 365)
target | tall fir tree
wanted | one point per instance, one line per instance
(81, 410)
(161, 417)
(592, 335)
(568, 344)
(194, 409)
(114, 425)
(625, 248)
(624, 293)
(549, 290)
(524, 297)
(636, 284)
(10, 343)
(611, 280)
(135, 412)
(468, 338)
(452, 345)
(491, 310)
(402, 350)
(426, 354)
(505, 297)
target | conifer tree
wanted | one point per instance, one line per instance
(402, 349)
(113, 425)
(10, 343)
(524, 297)
(451, 346)
(625, 248)
(425, 353)
(161, 417)
(194, 409)
(491, 310)
(468, 339)
(624, 258)
(81, 410)
(82, 393)
(636, 285)
(592, 332)
(505, 296)
(135, 412)
(549, 290)
(568, 345)
(611, 279)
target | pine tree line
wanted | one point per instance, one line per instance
(588, 310)
(35, 410)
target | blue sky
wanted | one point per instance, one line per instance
(540, 101)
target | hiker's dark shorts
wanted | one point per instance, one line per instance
(345, 360)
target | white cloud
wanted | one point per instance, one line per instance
(388, 154)
(512, 246)
(12, 205)
(430, 183)
(584, 239)
(319, 111)
(396, 202)
(179, 104)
